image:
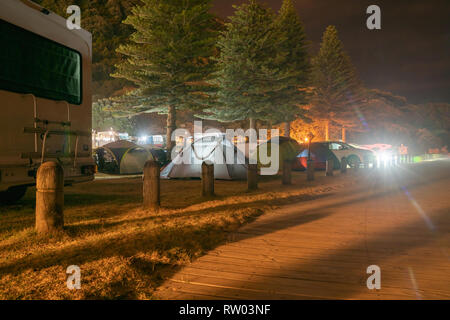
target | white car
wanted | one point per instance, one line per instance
(354, 154)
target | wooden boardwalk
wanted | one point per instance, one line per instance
(398, 220)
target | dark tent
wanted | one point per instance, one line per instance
(319, 154)
(288, 149)
(122, 157)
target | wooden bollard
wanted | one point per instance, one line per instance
(49, 198)
(207, 179)
(287, 172)
(252, 177)
(310, 170)
(343, 165)
(330, 167)
(151, 190)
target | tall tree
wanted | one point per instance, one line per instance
(168, 57)
(294, 63)
(337, 88)
(246, 73)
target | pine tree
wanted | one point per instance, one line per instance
(168, 58)
(337, 89)
(246, 73)
(294, 63)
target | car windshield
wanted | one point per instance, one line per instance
(353, 145)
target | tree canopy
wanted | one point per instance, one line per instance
(294, 63)
(168, 56)
(262, 66)
(337, 88)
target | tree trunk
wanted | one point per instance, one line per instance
(269, 130)
(252, 124)
(171, 125)
(287, 129)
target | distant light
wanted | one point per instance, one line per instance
(306, 139)
(143, 139)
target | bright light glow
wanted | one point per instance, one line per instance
(143, 139)
(383, 156)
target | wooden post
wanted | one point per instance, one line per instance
(49, 198)
(287, 172)
(252, 177)
(344, 135)
(310, 170)
(207, 178)
(329, 171)
(344, 165)
(151, 186)
(327, 130)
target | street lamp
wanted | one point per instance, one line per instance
(310, 136)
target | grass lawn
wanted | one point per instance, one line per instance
(125, 252)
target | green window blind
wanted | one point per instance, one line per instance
(33, 64)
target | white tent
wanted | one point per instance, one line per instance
(217, 149)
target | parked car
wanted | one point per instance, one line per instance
(336, 150)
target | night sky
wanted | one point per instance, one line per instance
(409, 56)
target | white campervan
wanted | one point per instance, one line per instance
(45, 97)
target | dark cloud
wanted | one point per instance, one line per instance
(409, 56)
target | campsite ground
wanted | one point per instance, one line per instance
(124, 251)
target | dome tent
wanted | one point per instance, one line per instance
(288, 150)
(319, 154)
(122, 157)
(188, 163)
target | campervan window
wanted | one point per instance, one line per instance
(33, 64)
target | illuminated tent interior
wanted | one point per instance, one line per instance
(188, 163)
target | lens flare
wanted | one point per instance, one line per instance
(419, 209)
